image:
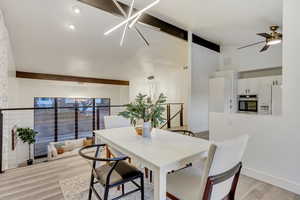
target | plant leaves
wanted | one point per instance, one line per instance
(146, 109)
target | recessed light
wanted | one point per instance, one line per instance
(76, 10)
(71, 27)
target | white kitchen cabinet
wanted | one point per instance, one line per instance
(276, 80)
(264, 95)
(242, 86)
(252, 86)
(273, 80)
(262, 87)
(248, 86)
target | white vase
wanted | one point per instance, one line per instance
(147, 128)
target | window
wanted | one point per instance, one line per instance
(67, 118)
(44, 124)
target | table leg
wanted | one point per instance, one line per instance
(160, 185)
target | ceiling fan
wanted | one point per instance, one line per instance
(271, 38)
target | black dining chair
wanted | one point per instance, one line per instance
(115, 172)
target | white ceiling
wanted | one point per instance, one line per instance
(227, 22)
(42, 43)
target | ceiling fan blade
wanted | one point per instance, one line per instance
(264, 48)
(265, 35)
(249, 45)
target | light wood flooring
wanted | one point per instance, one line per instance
(41, 182)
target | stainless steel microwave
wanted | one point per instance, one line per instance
(248, 103)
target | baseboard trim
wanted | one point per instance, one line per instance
(277, 181)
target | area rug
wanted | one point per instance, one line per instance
(76, 188)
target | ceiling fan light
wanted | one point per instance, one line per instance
(274, 42)
(135, 21)
(132, 17)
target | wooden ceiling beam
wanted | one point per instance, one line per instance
(109, 6)
(55, 77)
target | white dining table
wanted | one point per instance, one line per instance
(163, 152)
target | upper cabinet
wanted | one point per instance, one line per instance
(248, 86)
(276, 80)
(255, 86)
(242, 87)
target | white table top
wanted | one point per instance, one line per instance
(163, 149)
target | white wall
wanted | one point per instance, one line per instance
(273, 151)
(250, 58)
(166, 63)
(270, 155)
(204, 63)
(173, 83)
(22, 92)
(28, 89)
(170, 81)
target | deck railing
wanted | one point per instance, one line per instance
(173, 110)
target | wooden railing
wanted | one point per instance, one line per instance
(170, 118)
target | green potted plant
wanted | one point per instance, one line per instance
(27, 135)
(146, 109)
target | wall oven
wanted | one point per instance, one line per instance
(248, 103)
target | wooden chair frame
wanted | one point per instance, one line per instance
(213, 180)
(108, 185)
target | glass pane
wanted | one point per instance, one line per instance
(44, 124)
(44, 119)
(104, 111)
(85, 117)
(252, 105)
(66, 119)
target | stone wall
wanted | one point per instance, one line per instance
(5, 62)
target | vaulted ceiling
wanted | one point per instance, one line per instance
(42, 41)
(227, 22)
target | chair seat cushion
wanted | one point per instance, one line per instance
(186, 183)
(122, 171)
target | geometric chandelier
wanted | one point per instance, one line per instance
(130, 20)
